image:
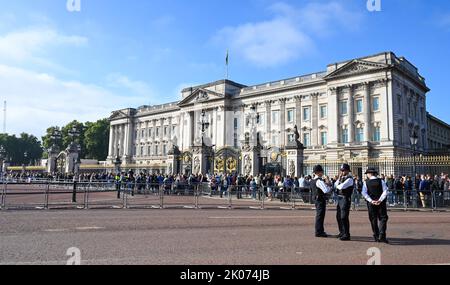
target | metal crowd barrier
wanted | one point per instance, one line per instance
(169, 195)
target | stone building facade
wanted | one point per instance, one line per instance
(361, 108)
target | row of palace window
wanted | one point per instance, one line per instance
(412, 110)
(323, 112)
(148, 133)
(344, 137)
(359, 104)
(140, 151)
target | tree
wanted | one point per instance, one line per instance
(67, 139)
(17, 147)
(96, 139)
(47, 141)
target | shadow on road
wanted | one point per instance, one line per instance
(406, 241)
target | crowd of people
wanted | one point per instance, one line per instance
(269, 186)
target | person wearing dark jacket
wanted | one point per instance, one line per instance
(344, 190)
(320, 189)
(375, 192)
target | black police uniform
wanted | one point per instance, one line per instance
(377, 213)
(321, 207)
(343, 208)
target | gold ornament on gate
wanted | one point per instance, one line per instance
(231, 164)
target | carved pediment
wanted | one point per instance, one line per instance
(201, 95)
(356, 67)
(117, 115)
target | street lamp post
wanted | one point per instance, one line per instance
(205, 125)
(25, 156)
(2, 161)
(414, 141)
(74, 133)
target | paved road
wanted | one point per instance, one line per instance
(240, 237)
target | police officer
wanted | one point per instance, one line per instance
(344, 190)
(320, 188)
(375, 192)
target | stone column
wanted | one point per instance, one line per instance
(250, 162)
(268, 121)
(367, 113)
(315, 119)
(283, 121)
(333, 117)
(351, 114)
(294, 160)
(121, 140)
(298, 111)
(111, 142)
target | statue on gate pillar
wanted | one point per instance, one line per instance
(295, 150)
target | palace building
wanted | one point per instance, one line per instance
(365, 108)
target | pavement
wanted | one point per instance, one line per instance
(215, 237)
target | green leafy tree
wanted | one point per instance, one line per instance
(96, 139)
(16, 147)
(67, 139)
(47, 140)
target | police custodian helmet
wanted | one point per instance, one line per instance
(345, 167)
(318, 168)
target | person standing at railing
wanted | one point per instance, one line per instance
(357, 189)
(424, 186)
(407, 189)
(118, 182)
(320, 189)
(344, 190)
(375, 192)
(270, 185)
(390, 182)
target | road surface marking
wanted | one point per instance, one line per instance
(263, 217)
(89, 228)
(55, 230)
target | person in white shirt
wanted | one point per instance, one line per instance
(375, 191)
(320, 189)
(344, 188)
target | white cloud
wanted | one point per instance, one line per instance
(33, 44)
(38, 100)
(290, 35)
(120, 81)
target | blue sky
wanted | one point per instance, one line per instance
(57, 65)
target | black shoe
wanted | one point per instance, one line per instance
(339, 236)
(344, 238)
(383, 240)
(376, 239)
(322, 235)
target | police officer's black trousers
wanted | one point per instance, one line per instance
(378, 214)
(343, 216)
(321, 208)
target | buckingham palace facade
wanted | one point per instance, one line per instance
(362, 108)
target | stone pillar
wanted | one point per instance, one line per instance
(250, 161)
(333, 117)
(111, 143)
(295, 161)
(298, 111)
(367, 113)
(351, 114)
(268, 137)
(128, 142)
(243, 129)
(315, 119)
(51, 162)
(201, 159)
(283, 121)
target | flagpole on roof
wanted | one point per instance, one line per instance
(227, 63)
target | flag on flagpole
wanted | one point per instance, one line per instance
(227, 58)
(226, 62)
